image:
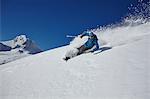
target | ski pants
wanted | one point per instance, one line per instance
(82, 49)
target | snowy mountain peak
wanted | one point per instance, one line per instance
(16, 48)
(20, 40)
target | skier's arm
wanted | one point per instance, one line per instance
(97, 46)
(84, 34)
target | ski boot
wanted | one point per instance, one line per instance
(66, 58)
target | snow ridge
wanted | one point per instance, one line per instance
(17, 48)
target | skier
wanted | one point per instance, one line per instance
(91, 42)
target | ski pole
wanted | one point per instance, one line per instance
(70, 36)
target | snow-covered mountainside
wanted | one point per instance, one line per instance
(120, 70)
(119, 73)
(17, 48)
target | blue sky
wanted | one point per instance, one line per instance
(47, 22)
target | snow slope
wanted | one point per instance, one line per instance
(119, 73)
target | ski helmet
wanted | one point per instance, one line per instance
(90, 33)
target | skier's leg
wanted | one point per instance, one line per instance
(71, 53)
(82, 49)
